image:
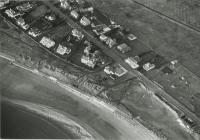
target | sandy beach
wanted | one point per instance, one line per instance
(39, 94)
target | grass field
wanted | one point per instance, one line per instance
(186, 11)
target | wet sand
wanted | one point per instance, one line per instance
(19, 123)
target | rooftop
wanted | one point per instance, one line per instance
(74, 14)
(117, 70)
(91, 62)
(34, 32)
(47, 42)
(77, 34)
(63, 50)
(85, 21)
(123, 48)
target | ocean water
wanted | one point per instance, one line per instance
(17, 122)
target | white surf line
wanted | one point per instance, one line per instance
(175, 114)
(97, 102)
(53, 114)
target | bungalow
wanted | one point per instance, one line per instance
(77, 34)
(117, 70)
(85, 21)
(91, 62)
(148, 66)
(105, 30)
(63, 50)
(47, 42)
(103, 38)
(111, 42)
(132, 61)
(65, 5)
(89, 9)
(101, 29)
(120, 71)
(124, 48)
(74, 14)
(87, 50)
(11, 13)
(131, 37)
(34, 32)
(50, 17)
(21, 22)
(109, 70)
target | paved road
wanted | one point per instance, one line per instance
(113, 54)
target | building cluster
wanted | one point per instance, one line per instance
(105, 33)
(35, 32)
(78, 11)
(18, 12)
(85, 16)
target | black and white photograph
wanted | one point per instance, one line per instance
(100, 69)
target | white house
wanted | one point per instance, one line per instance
(63, 50)
(132, 62)
(74, 14)
(47, 42)
(85, 21)
(148, 66)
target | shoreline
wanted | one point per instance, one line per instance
(33, 119)
(118, 113)
(52, 114)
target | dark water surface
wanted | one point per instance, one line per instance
(17, 122)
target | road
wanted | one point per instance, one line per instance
(113, 54)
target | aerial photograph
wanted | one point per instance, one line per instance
(100, 69)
